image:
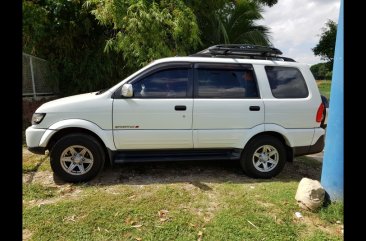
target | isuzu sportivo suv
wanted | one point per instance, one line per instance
(231, 102)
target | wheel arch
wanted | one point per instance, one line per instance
(64, 127)
(72, 130)
(279, 136)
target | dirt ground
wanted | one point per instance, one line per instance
(177, 172)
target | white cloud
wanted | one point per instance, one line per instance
(296, 26)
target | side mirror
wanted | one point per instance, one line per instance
(127, 90)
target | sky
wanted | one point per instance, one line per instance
(296, 25)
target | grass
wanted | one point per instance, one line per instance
(33, 163)
(197, 207)
(324, 87)
(37, 191)
(332, 213)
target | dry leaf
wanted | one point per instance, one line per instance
(163, 219)
(162, 213)
(206, 219)
(137, 226)
(138, 239)
(200, 233)
(130, 221)
(252, 224)
(193, 225)
(98, 229)
(71, 218)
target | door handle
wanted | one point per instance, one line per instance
(254, 108)
(180, 107)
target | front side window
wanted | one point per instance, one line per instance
(170, 83)
(286, 82)
(226, 83)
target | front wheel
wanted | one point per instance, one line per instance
(77, 158)
(263, 157)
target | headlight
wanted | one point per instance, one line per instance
(37, 118)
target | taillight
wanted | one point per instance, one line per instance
(319, 113)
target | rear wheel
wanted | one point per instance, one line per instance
(263, 157)
(77, 158)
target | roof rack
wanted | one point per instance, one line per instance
(246, 51)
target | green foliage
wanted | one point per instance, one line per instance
(148, 30)
(324, 88)
(321, 71)
(269, 3)
(93, 44)
(326, 46)
(69, 37)
(230, 22)
(333, 213)
(34, 26)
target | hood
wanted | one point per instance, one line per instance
(75, 103)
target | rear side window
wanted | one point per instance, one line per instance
(286, 82)
(226, 83)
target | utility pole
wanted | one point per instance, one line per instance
(332, 171)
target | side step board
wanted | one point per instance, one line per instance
(174, 155)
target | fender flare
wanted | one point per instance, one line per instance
(105, 135)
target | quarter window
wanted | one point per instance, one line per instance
(170, 83)
(226, 83)
(286, 82)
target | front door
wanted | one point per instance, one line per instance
(159, 115)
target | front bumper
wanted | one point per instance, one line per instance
(37, 150)
(33, 138)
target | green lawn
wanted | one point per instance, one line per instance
(324, 87)
(173, 201)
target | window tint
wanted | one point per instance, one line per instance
(286, 82)
(226, 83)
(171, 83)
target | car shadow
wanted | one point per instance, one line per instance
(197, 173)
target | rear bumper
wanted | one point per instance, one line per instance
(306, 150)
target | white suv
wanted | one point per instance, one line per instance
(231, 102)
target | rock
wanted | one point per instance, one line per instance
(310, 194)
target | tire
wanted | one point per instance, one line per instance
(263, 157)
(77, 158)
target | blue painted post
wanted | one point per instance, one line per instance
(332, 172)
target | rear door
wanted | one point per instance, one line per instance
(290, 104)
(227, 105)
(159, 115)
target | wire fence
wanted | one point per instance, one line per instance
(36, 78)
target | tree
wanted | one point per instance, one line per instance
(92, 44)
(230, 21)
(321, 71)
(269, 3)
(66, 34)
(326, 46)
(148, 30)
